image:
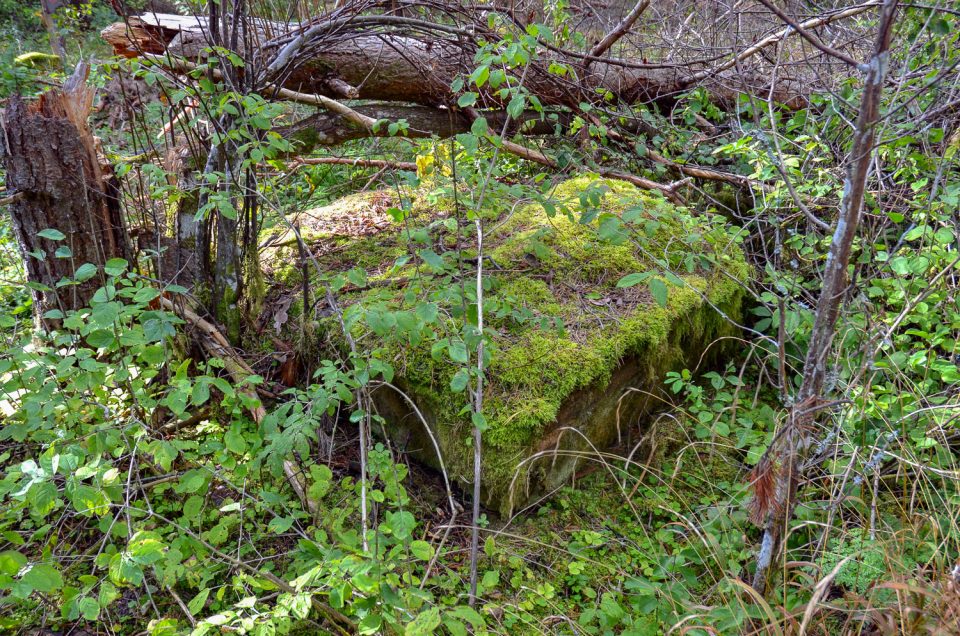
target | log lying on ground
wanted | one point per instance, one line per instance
(66, 213)
(389, 58)
(577, 357)
(330, 129)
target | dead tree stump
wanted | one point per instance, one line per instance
(60, 183)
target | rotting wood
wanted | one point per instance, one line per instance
(61, 182)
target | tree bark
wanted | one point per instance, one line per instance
(330, 129)
(778, 474)
(374, 58)
(47, 10)
(53, 164)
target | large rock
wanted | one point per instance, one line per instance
(576, 359)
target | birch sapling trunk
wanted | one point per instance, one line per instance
(777, 476)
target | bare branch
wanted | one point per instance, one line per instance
(351, 161)
(621, 29)
(775, 38)
(782, 458)
(809, 37)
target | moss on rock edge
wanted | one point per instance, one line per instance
(575, 358)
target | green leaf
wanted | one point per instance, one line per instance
(43, 578)
(299, 605)
(227, 210)
(100, 339)
(458, 352)
(658, 289)
(357, 276)
(467, 100)
(11, 562)
(321, 480)
(146, 547)
(516, 106)
(479, 127)
(480, 76)
(193, 480)
(900, 265)
(116, 266)
(145, 295)
(85, 272)
(479, 421)
(381, 322)
(37, 286)
(459, 381)
(610, 606)
(197, 602)
(89, 501)
(434, 260)
(123, 570)
(427, 312)
(468, 614)
(52, 234)
(633, 279)
(470, 143)
(425, 624)
(944, 236)
(43, 498)
(234, 440)
(89, 608)
(421, 550)
(108, 593)
(164, 454)
(279, 525)
(490, 580)
(401, 523)
(370, 624)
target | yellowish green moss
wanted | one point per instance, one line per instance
(579, 327)
(36, 59)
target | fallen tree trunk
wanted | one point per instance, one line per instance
(330, 129)
(67, 212)
(396, 59)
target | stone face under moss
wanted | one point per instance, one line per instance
(575, 358)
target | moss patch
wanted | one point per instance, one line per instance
(567, 343)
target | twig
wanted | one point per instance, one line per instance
(619, 31)
(196, 418)
(770, 40)
(293, 472)
(13, 198)
(799, 28)
(538, 157)
(351, 161)
(780, 468)
(183, 607)
(218, 346)
(319, 100)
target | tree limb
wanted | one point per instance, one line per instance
(619, 31)
(776, 477)
(353, 161)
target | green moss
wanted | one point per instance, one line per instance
(330, 226)
(563, 330)
(36, 59)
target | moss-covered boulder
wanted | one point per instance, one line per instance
(575, 358)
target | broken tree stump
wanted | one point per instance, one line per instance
(67, 210)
